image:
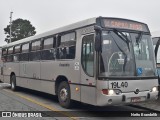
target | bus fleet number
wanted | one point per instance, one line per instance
(119, 85)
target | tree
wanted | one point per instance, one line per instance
(20, 29)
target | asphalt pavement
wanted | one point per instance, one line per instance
(150, 105)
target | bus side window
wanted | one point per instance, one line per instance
(4, 54)
(48, 52)
(88, 54)
(10, 54)
(16, 53)
(35, 51)
(24, 56)
(67, 47)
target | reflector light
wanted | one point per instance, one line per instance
(105, 91)
(77, 89)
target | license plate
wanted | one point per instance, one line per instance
(135, 99)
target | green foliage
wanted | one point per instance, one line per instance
(20, 29)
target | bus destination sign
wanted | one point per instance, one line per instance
(124, 24)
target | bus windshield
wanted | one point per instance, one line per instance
(156, 49)
(126, 54)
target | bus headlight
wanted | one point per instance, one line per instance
(111, 92)
(154, 89)
(107, 92)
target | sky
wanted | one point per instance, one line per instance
(46, 15)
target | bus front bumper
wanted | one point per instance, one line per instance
(125, 98)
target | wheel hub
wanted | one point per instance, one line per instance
(12, 85)
(63, 94)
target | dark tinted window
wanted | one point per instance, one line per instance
(35, 51)
(4, 51)
(10, 50)
(48, 43)
(16, 57)
(25, 48)
(48, 54)
(35, 55)
(36, 45)
(24, 56)
(17, 49)
(66, 49)
(9, 58)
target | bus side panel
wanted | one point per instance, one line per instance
(67, 69)
(23, 81)
(48, 76)
(6, 79)
(33, 75)
(48, 87)
(47, 70)
(57, 68)
(10, 68)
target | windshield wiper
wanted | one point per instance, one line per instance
(123, 37)
(126, 40)
(138, 39)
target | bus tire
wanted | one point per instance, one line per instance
(13, 83)
(64, 95)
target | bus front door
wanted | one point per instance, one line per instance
(88, 82)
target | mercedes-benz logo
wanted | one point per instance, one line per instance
(136, 91)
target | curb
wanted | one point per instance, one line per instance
(4, 85)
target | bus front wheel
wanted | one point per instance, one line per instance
(13, 82)
(64, 95)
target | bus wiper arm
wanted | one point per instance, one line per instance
(138, 39)
(119, 47)
(123, 37)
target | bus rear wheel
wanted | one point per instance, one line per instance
(64, 96)
(13, 83)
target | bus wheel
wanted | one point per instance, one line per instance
(13, 82)
(64, 95)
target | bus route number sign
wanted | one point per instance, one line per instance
(119, 84)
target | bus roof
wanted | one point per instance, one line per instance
(70, 27)
(55, 31)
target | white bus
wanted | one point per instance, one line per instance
(100, 61)
(156, 44)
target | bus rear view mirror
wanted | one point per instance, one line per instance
(98, 42)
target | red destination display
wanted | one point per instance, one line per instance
(125, 24)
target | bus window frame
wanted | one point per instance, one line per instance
(35, 51)
(34, 41)
(53, 47)
(24, 52)
(59, 44)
